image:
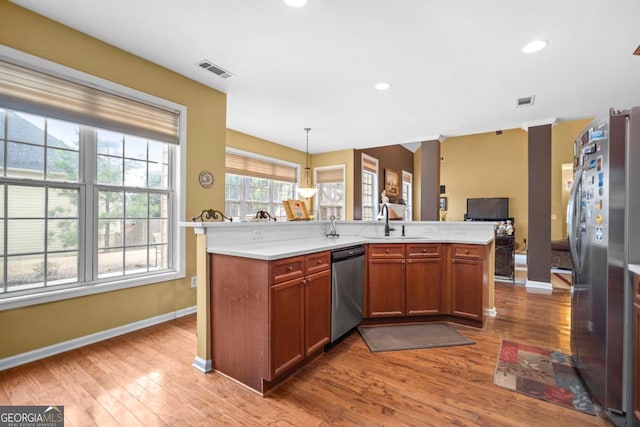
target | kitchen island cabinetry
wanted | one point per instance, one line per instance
(636, 349)
(467, 281)
(427, 281)
(269, 319)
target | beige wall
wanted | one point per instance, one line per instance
(490, 165)
(46, 324)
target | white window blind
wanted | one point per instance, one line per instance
(258, 168)
(329, 175)
(43, 94)
(369, 164)
(407, 177)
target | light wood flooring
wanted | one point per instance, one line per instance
(145, 379)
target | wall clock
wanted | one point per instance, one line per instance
(206, 179)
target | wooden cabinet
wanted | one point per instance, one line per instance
(636, 349)
(386, 280)
(467, 284)
(268, 316)
(425, 272)
(300, 310)
(405, 280)
(427, 279)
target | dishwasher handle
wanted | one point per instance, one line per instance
(343, 254)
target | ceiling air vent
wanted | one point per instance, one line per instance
(525, 102)
(215, 69)
(637, 51)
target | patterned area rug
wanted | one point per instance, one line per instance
(543, 374)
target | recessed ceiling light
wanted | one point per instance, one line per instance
(296, 3)
(382, 86)
(534, 46)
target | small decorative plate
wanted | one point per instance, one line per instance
(206, 178)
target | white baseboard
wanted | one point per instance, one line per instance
(41, 353)
(202, 365)
(539, 287)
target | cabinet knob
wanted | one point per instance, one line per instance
(386, 250)
(466, 251)
(319, 262)
(289, 268)
(424, 250)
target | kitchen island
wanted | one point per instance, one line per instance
(264, 289)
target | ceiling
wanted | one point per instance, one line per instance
(455, 67)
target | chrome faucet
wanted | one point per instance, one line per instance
(387, 229)
(332, 226)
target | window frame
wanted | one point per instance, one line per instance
(342, 167)
(409, 199)
(374, 187)
(177, 170)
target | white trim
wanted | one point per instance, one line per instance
(541, 122)
(41, 353)
(540, 287)
(253, 155)
(491, 312)
(202, 365)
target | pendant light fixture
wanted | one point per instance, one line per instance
(307, 191)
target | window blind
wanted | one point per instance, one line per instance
(406, 177)
(47, 95)
(324, 176)
(258, 168)
(369, 164)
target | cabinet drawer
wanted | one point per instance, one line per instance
(393, 250)
(317, 262)
(287, 269)
(636, 287)
(422, 250)
(467, 251)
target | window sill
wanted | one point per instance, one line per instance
(13, 302)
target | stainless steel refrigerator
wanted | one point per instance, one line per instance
(603, 238)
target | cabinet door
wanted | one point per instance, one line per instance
(386, 293)
(286, 310)
(466, 288)
(424, 279)
(317, 310)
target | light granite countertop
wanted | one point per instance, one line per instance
(634, 268)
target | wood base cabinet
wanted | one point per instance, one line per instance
(427, 279)
(268, 320)
(404, 280)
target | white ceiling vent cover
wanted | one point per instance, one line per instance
(525, 102)
(215, 69)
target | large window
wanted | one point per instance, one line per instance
(330, 197)
(407, 193)
(254, 183)
(83, 209)
(369, 187)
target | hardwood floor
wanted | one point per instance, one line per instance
(145, 379)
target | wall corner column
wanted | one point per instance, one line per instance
(202, 361)
(430, 181)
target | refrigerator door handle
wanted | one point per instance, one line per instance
(571, 220)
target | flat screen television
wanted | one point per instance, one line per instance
(488, 209)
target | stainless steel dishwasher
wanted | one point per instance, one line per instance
(347, 287)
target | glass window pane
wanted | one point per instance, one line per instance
(136, 205)
(25, 272)
(1, 242)
(63, 165)
(2, 187)
(158, 205)
(158, 152)
(62, 234)
(25, 236)
(135, 147)
(2, 115)
(135, 173)
(25, 127)
(24, 160)
(63, 203)
(1, 158)
(63, 135)
(110, 233)
(110, 263)
(110, 143)
(25, 202)
(135, 233)
(136, 260)
(110, 204)
(159, 229)
(109, 170)
(158, 257)
(62, 268)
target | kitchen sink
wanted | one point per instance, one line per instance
(396, 238)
